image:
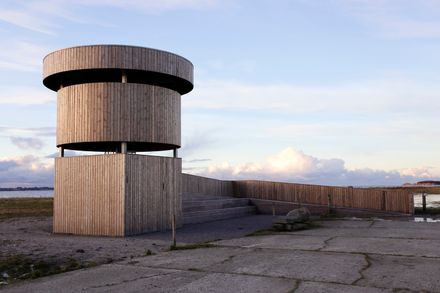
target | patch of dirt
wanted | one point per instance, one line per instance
(27, 244)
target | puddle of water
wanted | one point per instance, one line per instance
(428, 220)
(415, 219)
(432, 200)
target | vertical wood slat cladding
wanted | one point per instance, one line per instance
(89, 195)
(362, 198)
(153, 193)
(117, 56)
(118, 112)
(116, 195)
(208, 186)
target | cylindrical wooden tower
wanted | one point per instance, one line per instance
(119, 100)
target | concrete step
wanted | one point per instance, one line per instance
(198, 196)
(217, 214)
(204, 205)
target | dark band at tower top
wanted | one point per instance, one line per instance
(113, 94)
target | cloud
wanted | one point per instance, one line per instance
(241, 65)
(195, 142)
(419, 172)
(27, 143)
(406, 127)
(291, 165)
(390, 18)
(22, 55)
(197, 160)
(67, 153)
(29, 131)
(25, 171)
(25, 95)
(26, 20)
(375, 96)
(150, 5)
(41, 15)
(288, 165)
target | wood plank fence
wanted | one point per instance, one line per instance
(400, 201)
(204, 185)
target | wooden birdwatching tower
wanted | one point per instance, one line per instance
(117, 100)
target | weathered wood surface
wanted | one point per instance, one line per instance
(116, 195)
(153, 193)
(89, 195)
(362, 198)
(115, 112)
(204, 185)
(118, 57)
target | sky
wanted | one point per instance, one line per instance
(335, 92)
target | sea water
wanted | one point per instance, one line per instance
(432, 200)
(26, 193)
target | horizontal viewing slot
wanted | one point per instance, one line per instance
(67, 78)
(115, 146)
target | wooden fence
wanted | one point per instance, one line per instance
(361, 198)
(208, 186)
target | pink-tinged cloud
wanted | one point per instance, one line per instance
(288, 165)
(26, 171)
(291, 165)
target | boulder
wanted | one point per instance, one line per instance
(300, 215)
(295, 220)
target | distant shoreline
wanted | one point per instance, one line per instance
(25, 188)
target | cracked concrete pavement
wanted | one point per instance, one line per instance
(337, 256)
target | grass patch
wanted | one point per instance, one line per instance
(25, 207)
(19, 267)
(191, 246)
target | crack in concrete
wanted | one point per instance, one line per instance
(334, 251)
(126, 281)
(375, 237)
(297, 283)
(406, 290)
(208, 271)
(363, 269)
(228, 259)
(326, 243)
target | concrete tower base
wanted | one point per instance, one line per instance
(116, 195)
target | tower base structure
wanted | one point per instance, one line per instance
(117, 194)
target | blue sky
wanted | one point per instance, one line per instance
(339, 92)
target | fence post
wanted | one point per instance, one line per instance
(384, 201)
(424, 202)
(329, 205)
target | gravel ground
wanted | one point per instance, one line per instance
(32, 239)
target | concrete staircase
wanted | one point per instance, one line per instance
(200, 208)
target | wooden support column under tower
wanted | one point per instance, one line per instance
(128, 99)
